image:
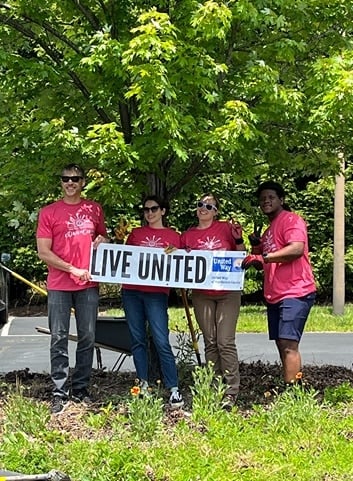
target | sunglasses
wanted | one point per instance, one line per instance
(153, 209)
(200, 205)
(73, 178)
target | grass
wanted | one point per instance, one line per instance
(253, 319)
(294, 436)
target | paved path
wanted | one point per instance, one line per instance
(22, 347)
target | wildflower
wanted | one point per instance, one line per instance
(135, 391)
(299, 376)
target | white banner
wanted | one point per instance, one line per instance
(124, 264)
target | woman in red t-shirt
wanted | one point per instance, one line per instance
(217, 312)
(145, 303)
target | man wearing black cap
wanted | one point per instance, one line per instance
(289, 286)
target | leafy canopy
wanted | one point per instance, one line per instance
(170, 97)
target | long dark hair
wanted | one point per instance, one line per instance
(163, 204)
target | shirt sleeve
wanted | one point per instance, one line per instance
(295, 230)
(101, 228)
(44, 229)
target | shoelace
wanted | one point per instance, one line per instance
(175, 396)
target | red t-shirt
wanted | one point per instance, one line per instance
(287, 279)
(71, 228)
(217, 237)
(149, 237)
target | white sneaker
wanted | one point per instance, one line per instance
(145, 390)
(176, 400)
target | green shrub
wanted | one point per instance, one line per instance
(340, 394)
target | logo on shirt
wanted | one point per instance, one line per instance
(153, 242)
(269, 244)
(79, 224)
(210, 244)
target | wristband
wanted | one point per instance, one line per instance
(264, 256)
(239, 241)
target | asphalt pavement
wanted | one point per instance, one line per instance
(22, 347)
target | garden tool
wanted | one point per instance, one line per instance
(191, 327)
(51, 476)
(18, 276)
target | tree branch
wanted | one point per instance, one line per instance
(55, 55)
(48, 28)
(125, 119)
(104, 8)
(195, 167)
(89, 15)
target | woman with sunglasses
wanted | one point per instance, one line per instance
(149, 303)
(217, 312)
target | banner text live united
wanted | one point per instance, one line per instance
(116, 263)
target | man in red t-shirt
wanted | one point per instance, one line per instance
(289, 286)
(67, 230)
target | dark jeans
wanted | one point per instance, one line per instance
(85, 303)
(141, 307)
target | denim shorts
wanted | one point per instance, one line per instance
(286, 319)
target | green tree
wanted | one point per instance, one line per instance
(169, 97)
(154, 93)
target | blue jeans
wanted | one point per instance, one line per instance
(139, 308)
(85, 303)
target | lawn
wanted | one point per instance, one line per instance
(253, 319)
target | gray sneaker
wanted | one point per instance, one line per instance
(176, 400)
(58, 404)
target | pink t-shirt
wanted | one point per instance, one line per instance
(287, 279)
(149, 237)
(217, 237)
(71, 228)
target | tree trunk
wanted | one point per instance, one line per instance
(338, 242)
(156, 186)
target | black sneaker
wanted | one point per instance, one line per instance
(58, 404)
(229, 401)
(176, 400)
(81, 396)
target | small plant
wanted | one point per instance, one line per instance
(101, 419)
(25, 415)
(293, 408)
(339, 394)
(145, 412)
(185, 356)
(207, 391)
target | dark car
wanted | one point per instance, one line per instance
(4, 296)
